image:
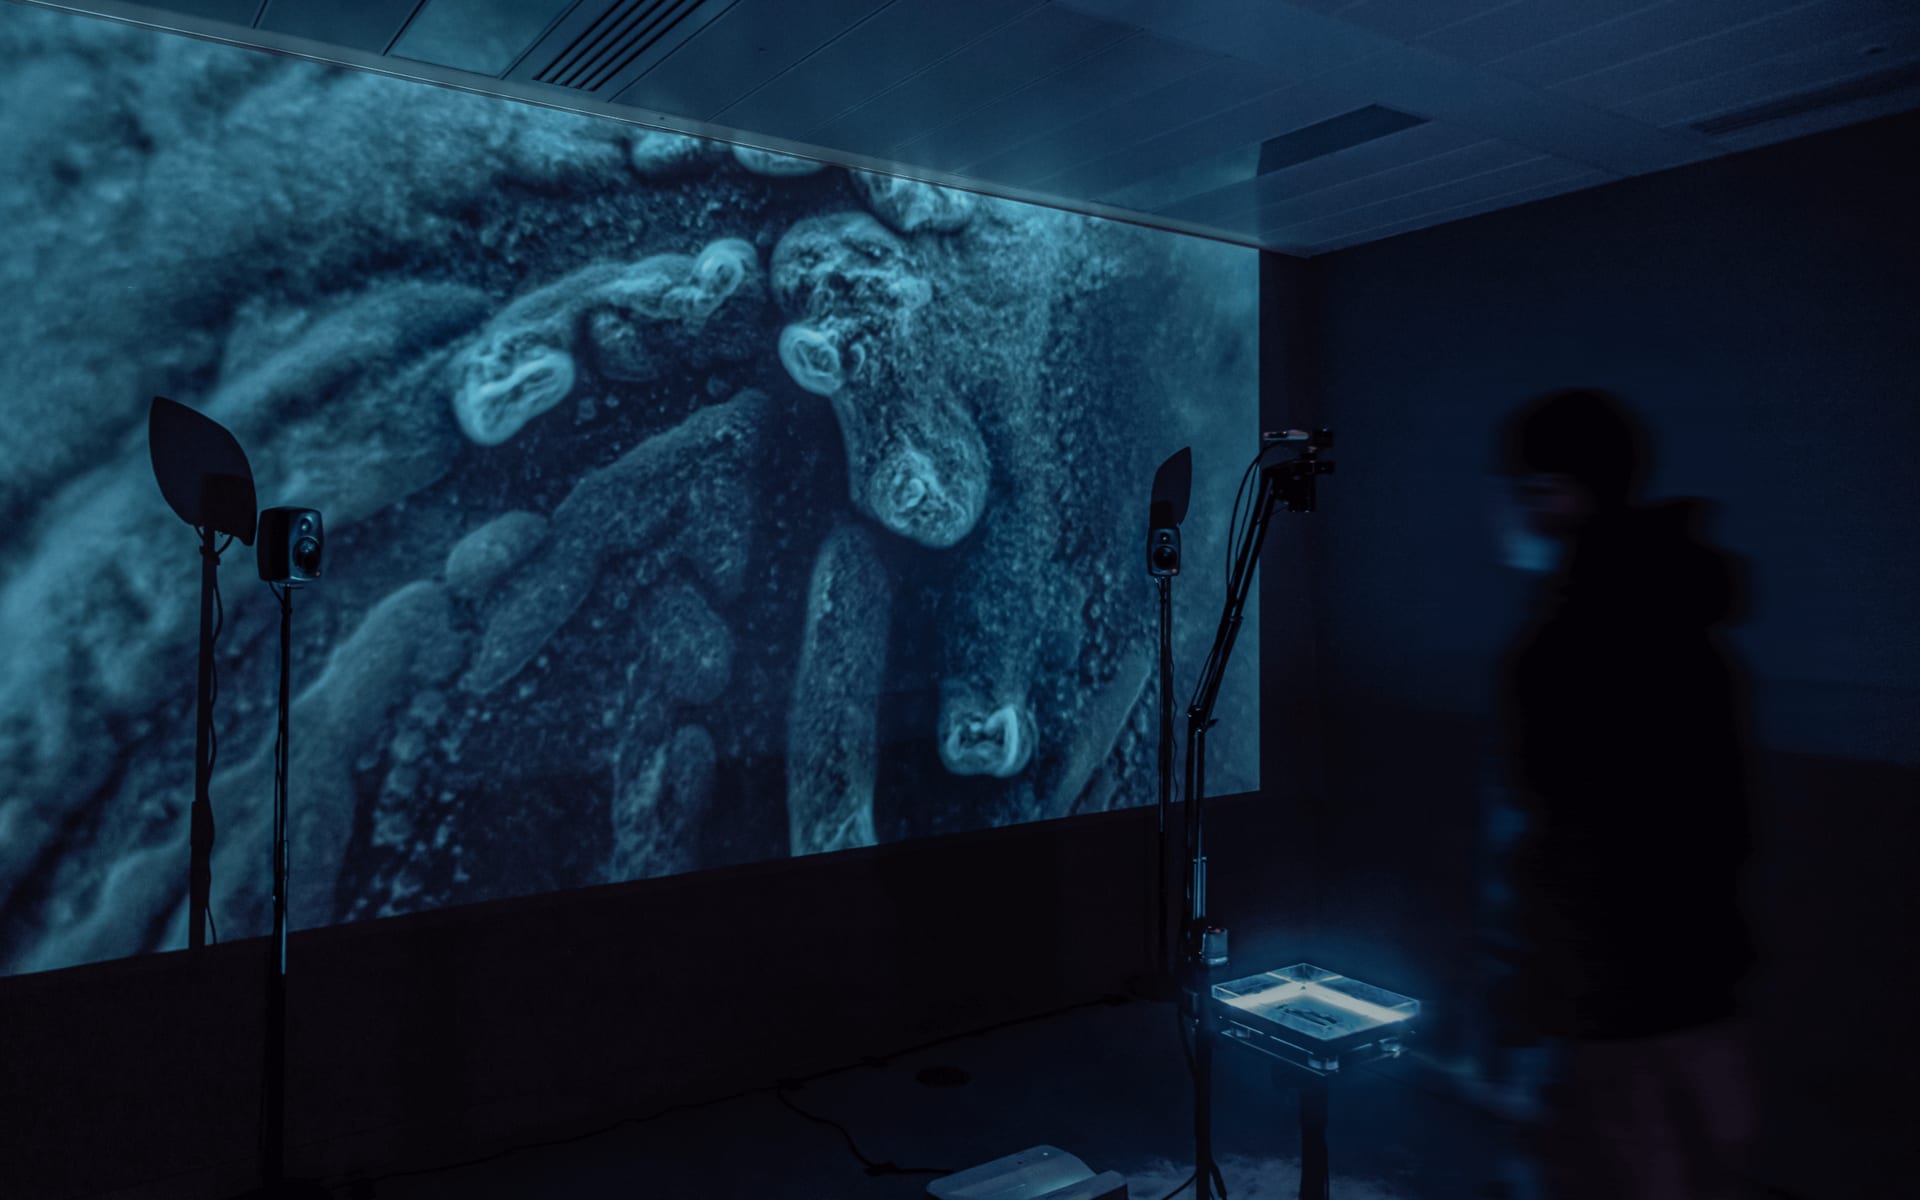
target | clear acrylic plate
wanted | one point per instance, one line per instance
(1305, 1002)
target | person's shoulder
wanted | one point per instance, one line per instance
(1711, 580)
(1689, 516)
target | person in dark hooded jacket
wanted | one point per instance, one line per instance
(1623, 714)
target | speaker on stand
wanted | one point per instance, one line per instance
(291, 547)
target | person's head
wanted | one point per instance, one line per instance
(1566, 457)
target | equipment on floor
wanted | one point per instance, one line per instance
(1042, 1173)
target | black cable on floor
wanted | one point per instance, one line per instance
(1109, 1000)
(362, 1185)
(873, 1168)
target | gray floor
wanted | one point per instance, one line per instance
(1106, 1084)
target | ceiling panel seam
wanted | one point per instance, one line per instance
(1582, 31)
(1315, 122)
(1466, 20)
(1143, 55)
(1674, 47)
(1494, 17)
(797, 63)
(1248, 193)
(1036, 81)
(1264, 200)
(1576, 172)
(1440, 216)
(1438, 87)
(1830, 45)
(1001, 151)
(1811, 100)
(1263, 207)
(402, 31)
(895, 86)
(1103, 154)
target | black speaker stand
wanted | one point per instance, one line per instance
(274, 1185)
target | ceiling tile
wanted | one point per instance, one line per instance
(1225, 172)
(1444, 201)
(1255, 121)
(482, 36)
(1307, 240)
(1031, 46)
(1473, 160)
(1130, 69)
(1827, 116)
(1225, 84)
(1756, 41)
(1405, 20)
(360, 24)
(743, 48)
(1629, 37)
(236, 12)
(1295, 44)
(1234, 171)
(1369, 158)
(880, 52)
(1432, 85)
(1806, 69)
(1516, 27)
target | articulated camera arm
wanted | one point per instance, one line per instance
(1289, 480)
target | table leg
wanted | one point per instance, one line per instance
(1313, 1140)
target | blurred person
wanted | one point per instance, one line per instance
(1621, 825)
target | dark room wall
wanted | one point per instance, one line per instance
(443, 1036)
(1760, 312)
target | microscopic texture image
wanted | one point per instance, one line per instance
(687, 504)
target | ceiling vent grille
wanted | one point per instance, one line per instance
(1866, 87)
(614, 41)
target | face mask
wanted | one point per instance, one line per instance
(1524, 550)
(1521, 548)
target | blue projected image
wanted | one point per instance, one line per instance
(687, 505)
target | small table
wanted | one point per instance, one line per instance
(1313, 1021)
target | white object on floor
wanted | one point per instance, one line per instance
(1042, 1173)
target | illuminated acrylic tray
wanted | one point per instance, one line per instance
(1314, 1019)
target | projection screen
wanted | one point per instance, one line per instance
(687, 505)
